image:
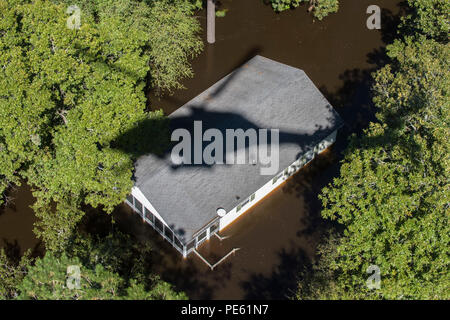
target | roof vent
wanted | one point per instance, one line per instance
(221, 212)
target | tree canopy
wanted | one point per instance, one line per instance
(108, 268)
(429, 18)
(392, 195)
(12, 271)
(114, 266)
(67, 94)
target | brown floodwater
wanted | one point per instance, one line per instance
(279, 235)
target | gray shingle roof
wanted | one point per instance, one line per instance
(260, 94)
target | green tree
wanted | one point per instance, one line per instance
(117, 252)
(169, 30)
(51, 279)
(111, 266)
(67, 94)
(428, 17)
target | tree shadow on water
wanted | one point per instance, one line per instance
(14, 251)
(353, 100)
(281, 284)
(307, 185)
(8, 197)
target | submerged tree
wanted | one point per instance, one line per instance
(66, 95)
(320, 8)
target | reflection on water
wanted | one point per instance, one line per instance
(280, 234)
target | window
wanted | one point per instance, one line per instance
(168, 233)
(201, 237)
(138, 205)
(178, 243)
(242, 204)
(277, 178)
(321, 146)
(213, 228)
(158, 225)
(251, 198)
(149, 215)
(130, 199)
(292, 170)
(302, 161)
(190, 246)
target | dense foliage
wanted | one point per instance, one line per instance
(12, 271)
(392, 196)
(167, 27)
(430, 18)
(113, 267)
(320, 8)
(66, 96)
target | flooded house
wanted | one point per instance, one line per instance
(188, 202)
